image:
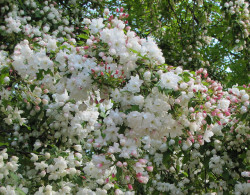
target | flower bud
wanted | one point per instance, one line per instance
(150, 168)
(6, 79)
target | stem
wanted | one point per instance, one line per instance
(205, 182)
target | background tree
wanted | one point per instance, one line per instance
(211, 34)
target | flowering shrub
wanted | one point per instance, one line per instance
(103, 114)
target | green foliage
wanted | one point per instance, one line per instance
(202, 30)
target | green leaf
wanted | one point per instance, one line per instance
(29, 128)
(37, 14)
(2, 76)
(226, 193)
(32, 87)
(191, 103)
(208, 119)
(20, 191)
(86, 31)
(206, 162)
(185, 159)
(63, 47)
(156, 192)
(14, 177)
(4, 144)
(83, 36)
(205, 83)
(6, 102)
(134, 51)
(167, 158)
(186, 77)
(133, 108)
(49, 72)
(225, 175)
(244, 116)
(177, 168)
(185, 174)
(192, 72)
(103, 115)
(78, 180)
(119, 173)
(122, 129)
(116, 186)
(168, 91)
(176, 94)
(39, 75)
(84, 124)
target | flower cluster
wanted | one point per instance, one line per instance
(239, 9)
(102, 114)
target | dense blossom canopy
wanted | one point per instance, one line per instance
(101, 113)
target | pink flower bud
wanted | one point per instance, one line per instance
(119, 164)
(130, 187)
(83, 177)
(37, 108)
(128, 28)
(127, 177)
(204, 114)
(177, 101)
(150, 168)
(143, 179)
(227, 113)
(134, 153)
(143, 161)
(45, 102)
(220, 115)
(106, 180)
(217, 110)
(213, 113)
(191, 109)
